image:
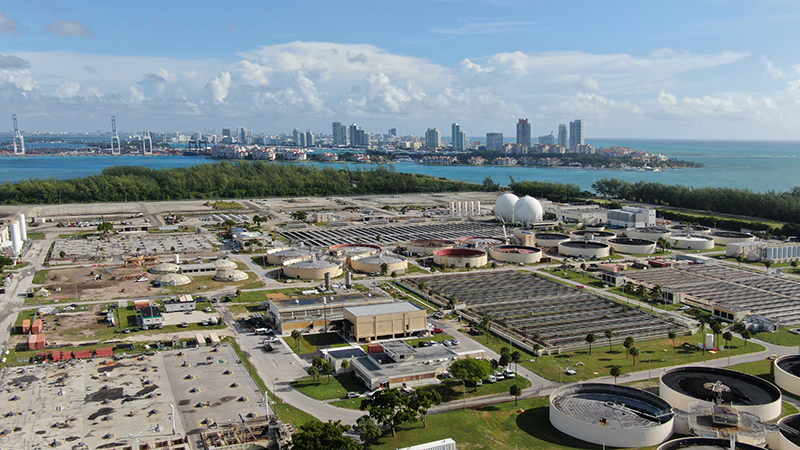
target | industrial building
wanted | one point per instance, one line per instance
(315, 312)
(584, 214)
(393, 364)
(183, 302)
(382, 321)
(776, 252)
(611, 415)
(230, 275)
(632, 217)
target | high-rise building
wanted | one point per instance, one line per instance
(339, 135)
(524, 132)
(562, 135)
(549, 139)
(575, 134)
(433, 138)
(298, 137)
(226, 132)
(309, 140)
(494, 141)
(241, 135)
(459, 138)
(359, 137)
(393, 132)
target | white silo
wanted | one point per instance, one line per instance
(177, 258)
(16, 239)
(504, 207)
(472, 208)
(23, 229)
(528, 210)
(478, 208)
(452, 208)
(458, 207)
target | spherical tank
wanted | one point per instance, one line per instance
(528, 210)
(504, 207)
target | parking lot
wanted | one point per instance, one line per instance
(116, 246)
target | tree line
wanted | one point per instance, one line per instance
(225, 179)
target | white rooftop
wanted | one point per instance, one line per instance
(384, 308)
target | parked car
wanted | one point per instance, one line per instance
(454, 342)
(509, 374)
(184, 324)
(352, 394)
(491, 379)
(437, 330)
(438, 315)
(499, 375)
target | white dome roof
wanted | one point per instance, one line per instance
(166, 268)
(222, 264)
(173, 279)
(528, 210)
(504, 207)
(230, 275)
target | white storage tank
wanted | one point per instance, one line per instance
(314, 269)
(516, 254)
(788, 427)
(787, 373)
(373, 263)
(632, 246)
(528, 211)
(504, 207)
(460, 257)
(23, 227)
(600, 236)
(16, 240)
(651, 233)
(729, 237)
(691, 242)
(705, 443)
(611, 415)
(584, 249)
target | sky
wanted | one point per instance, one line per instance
(696, 69)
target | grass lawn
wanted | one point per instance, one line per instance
(781, 337)
(599, 363)
(309, 342)
(35, 235)
(329, 389)
(40, 277)
(503, 426)
(578, 277)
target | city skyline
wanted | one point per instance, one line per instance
(688, 70)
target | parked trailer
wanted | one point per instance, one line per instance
(201, 341)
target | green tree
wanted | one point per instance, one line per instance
(672, 335)
(422, 401)
(470, 369)
(740, 259)
(634, 352)
(345, 365)
(390, 408)
(767, 264)
(316, 435)
(515, 391)
(656, 292)
(590, 339)
(515, 358)
(728, 337)
(314, 372)
(615, 372)
(641, 291)
(384, 269)
(746, 335)
(716, 328)
(486, 324)
(299, 215)
(328, 368)
(367, 429)
(628, 343)
(296, 335)
(609, 335)
(105, 227)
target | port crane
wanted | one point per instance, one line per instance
(115, 150)
(146, 139)
(19, 141)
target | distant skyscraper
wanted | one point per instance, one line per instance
(339, 135)
(549, 139)
(575, 133)
(562, 135)
(309, 140)
(359, 137)
(494, 141)
(433, 138)
(393, 132)
(524, 132)
(459, 137)
(298, 137)
(241, 135)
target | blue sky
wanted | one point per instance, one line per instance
(714, 69)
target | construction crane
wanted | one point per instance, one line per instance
(115, 150)
(19, 141)
(145, 140)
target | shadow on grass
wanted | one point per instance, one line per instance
(536, 422)
(488, 408)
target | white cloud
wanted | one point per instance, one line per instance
(8, 25)
(68, 89)
(219, 87)
(66, 28)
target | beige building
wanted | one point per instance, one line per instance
(388, 320)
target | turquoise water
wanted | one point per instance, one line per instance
(754, 165)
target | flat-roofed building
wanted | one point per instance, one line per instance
(149, 316)
(184, 302)
(396, 364)
(366, 323)
(314, 312)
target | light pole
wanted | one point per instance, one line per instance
(465, 395)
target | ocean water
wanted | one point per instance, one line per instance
(755, 165)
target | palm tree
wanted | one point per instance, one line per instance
(641, 291)
(716, 328)
(672, 335)
(314, 372)
(515, 357)
(628, 343)
(609, 334)
(615, 372)
(634, 352)
(590, 338)
(346, 365)
(746, 335)
(655, 292)
(739, 259)
(486, 324)
(296, 336)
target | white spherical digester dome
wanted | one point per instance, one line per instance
(528, 210)
(504, 207)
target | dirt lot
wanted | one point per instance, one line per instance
(62, 283)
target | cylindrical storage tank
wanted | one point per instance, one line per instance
(683, 385)
(611, 415)
(478, 208)
(504, 207)
(705, 443)
(653, 234)
(350, 250)
(728, 237)
(177, 258)
(525, 237)
(528, 210)
(550, 240)
(691, 242)
(481, 242)
(23, 227)
(788, 439)
(632, 246)
(787, 373)
(452, 208)
(516, 254)
(311, 270)
(460, 257)
(693, 229)
(373, 263)
(16, 240)
(600, 236)
(585, 249)
(428, 246)
(165, 268)
(277, 256)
